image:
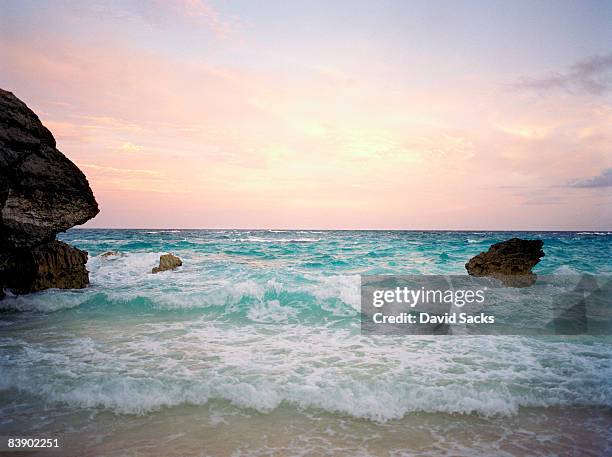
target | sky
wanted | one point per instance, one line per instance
(485, 115)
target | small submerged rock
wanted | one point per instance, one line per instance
(110, 254)
(167, 262)
(509, 261)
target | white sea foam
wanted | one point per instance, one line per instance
(255, 239)
(270, 311)
(45, 301)
(122, 270)
(566, 270)
(337, 371)
(344, 287)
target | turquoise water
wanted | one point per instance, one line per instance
(261, 328)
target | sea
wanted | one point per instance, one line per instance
(253, 347)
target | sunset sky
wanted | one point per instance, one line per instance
(282, 114)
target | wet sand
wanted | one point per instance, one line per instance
(220, 429)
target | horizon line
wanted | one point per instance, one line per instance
(609, 231)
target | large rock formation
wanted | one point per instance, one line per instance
(509, 261)
(53, 264)
(42, 193)
(167, 262)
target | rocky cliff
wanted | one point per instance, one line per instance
(42, 193)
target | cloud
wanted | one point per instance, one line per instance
(203, 13)
(544, 201)
(197, 13)
(592, 75)
(105, 178)
(602, 180)
(121, 171)
(112, 123)
(128, 146)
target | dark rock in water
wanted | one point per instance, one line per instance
(110, 254)
(167, 262)
(49, 265)
(509, 261)
(42, 193)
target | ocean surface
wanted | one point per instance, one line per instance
(253, 347)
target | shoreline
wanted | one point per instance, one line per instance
(221, 429)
